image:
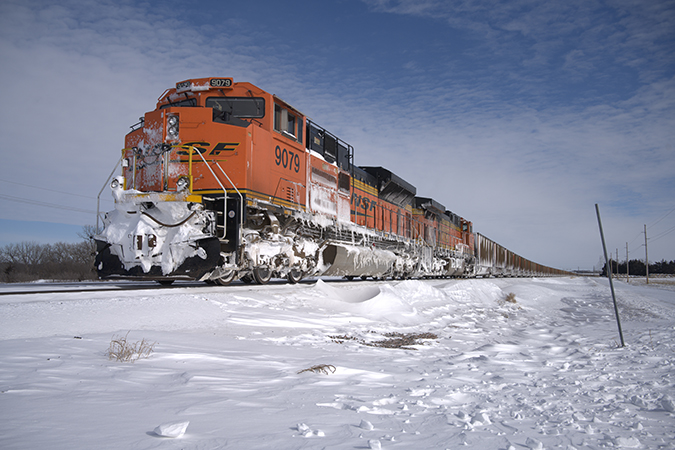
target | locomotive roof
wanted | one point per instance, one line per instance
(220, 84)
(386, 176)
(429, 204)
(392, 187)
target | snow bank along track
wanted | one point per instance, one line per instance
(130, 286)
(224, 181)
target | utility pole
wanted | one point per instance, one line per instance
(646, 255)
(611, 284)
(627, 265)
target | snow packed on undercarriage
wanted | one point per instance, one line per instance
(146, 236)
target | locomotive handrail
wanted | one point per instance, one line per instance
(194, 149)
(98, 198)
(241, 197)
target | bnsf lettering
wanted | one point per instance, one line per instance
(287, 159)
(224, 147)
(203, 147)
(359, 201)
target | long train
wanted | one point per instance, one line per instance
(224, 181)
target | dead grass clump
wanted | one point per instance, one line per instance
(510, 297)
(122, 350)
(402, 340)
(342, 338)
(321, 368)
(394, 340)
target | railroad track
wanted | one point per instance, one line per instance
(121, 286)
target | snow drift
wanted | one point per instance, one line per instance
(543, 372)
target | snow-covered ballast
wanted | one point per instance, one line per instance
(156, 235)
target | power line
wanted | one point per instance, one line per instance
(636, 236)
(47, 189)
(664, 216)
(48, 205)
(653, 238)
(659, 236)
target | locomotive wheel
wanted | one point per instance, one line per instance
(262, 275)
(294, 275)
(226, 279)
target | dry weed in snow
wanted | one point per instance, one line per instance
(321, 368)
(393, 340)
(122, 350)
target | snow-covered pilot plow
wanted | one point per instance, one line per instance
(161, 236)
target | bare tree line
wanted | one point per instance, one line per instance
(31, 261)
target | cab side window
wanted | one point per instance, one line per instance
(287, 123)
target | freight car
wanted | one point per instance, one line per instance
(224, 181)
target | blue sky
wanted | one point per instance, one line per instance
(519, 115)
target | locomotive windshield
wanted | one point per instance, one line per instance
(237, 107)
(181, 103)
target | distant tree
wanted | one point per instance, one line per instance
(613, 265)
(88, 232)
(637, 267)
(25, 255)
(663, 266)
(28, 261)
(7, 271)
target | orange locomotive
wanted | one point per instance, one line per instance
(225, 181)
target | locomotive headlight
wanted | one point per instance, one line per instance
(182, 183)
(117, 187)
(172, 127)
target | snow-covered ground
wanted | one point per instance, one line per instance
(543, 372)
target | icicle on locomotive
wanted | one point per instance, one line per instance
(224, 181)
